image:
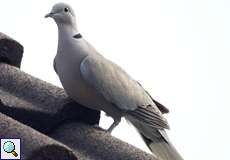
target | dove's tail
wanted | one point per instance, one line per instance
(156, 140)
(162, 149)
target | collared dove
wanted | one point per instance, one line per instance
(96, 82)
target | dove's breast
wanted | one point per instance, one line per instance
(68, 62)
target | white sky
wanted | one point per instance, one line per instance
(179, 50)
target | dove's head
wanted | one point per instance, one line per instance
(62, 14)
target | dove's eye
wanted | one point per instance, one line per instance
(66, 9)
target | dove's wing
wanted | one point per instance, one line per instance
(160, 106)
(120, 89)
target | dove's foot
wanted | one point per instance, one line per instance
(115, 123)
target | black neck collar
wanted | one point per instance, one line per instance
(77, 36)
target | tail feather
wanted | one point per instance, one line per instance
(162, 149)
(156, 140)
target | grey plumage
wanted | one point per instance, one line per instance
(96, 82)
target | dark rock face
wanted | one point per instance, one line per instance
(35, 102)
(34, 144)
(51, 125)
(10, 51)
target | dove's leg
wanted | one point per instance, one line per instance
(115, 123)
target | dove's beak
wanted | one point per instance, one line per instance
(49, 15)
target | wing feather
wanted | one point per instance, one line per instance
(120, 89)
